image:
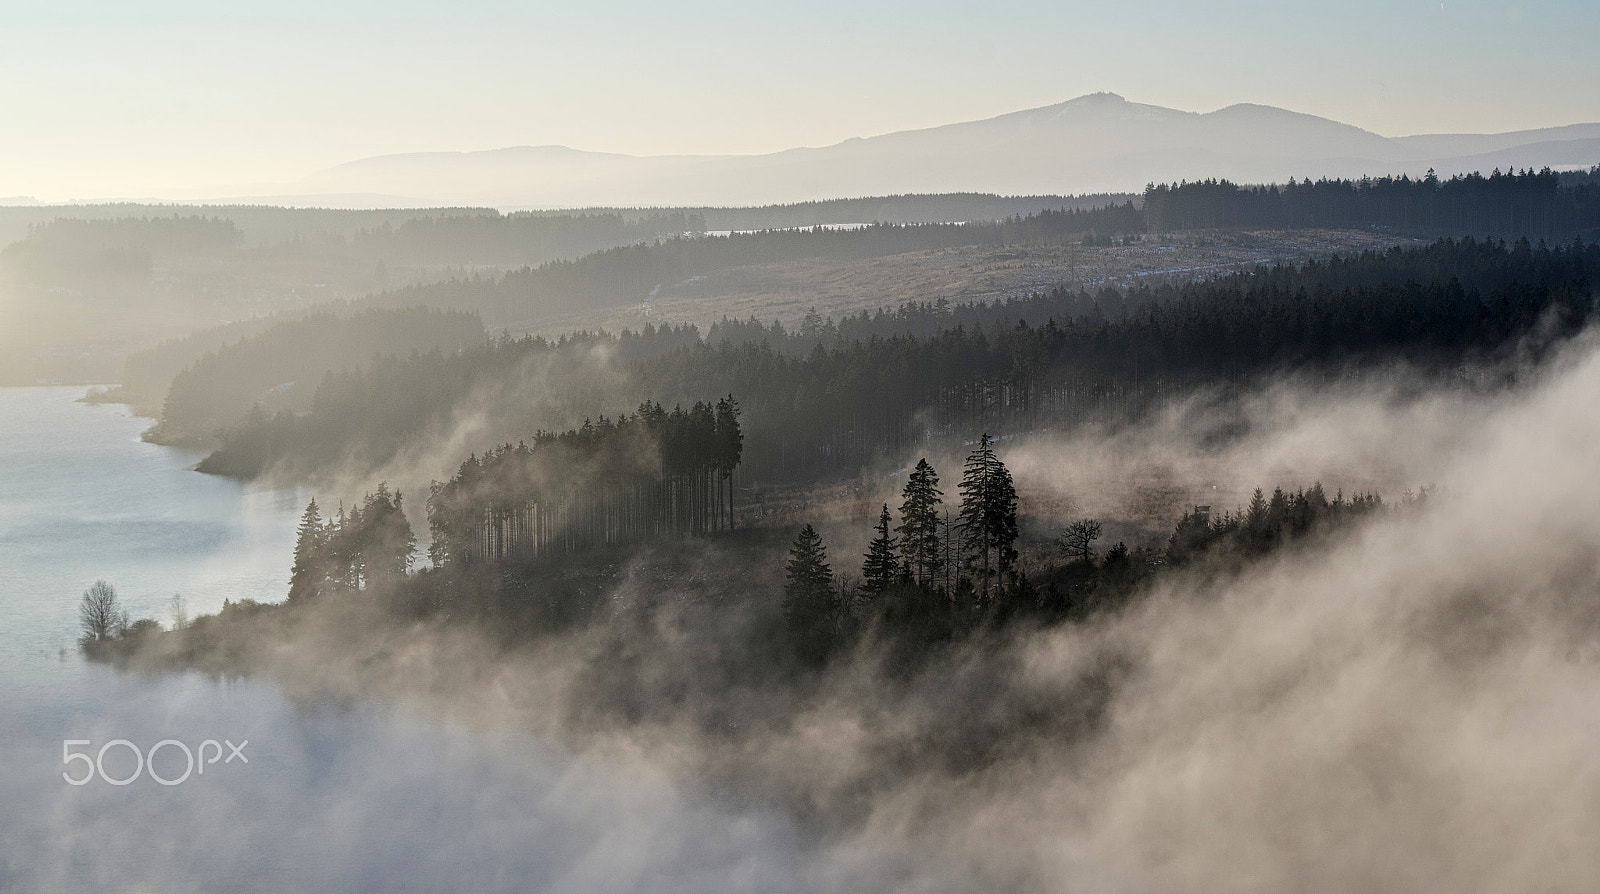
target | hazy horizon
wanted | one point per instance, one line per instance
(179, 97)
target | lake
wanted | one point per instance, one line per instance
(333, 797)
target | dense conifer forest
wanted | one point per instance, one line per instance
(1538, 205)
(898, 209)
(643, 475)
(281, 367)
(828, 398)
(627, 273)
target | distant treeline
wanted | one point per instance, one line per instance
(147, 374)
(1269, 522)
(489, 238)
(77, 252)
(1532, 204)
(927, 580)
(282, 367)
(260, 224)
(904, 209)
(627, 274)
(431, 238)
(484, 236)
(572, 262)
(609, 482)
(1539, 205)
(1057, 359)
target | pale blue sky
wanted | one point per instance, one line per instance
(102, 98)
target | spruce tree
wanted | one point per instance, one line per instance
(810, 578)
(951, 559)
(882, 566)
(919, 524)
(308, 578)
(385, 543)
(730, 447)
(808, 596)
(340, 550)
(988, 514)
(1255, 520)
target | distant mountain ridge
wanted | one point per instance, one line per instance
(1095, 143)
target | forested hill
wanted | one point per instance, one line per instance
(282, 367)
(114, 252)
(1539, 205)
(482, 236)
(629, 273)
(1019, 367)
(1466, 262)
(50, 249)
(906, 209)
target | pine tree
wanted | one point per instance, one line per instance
(730, 447)
(1255, 519)
(988, 514)
(342, 572)
(350, 535)
(951, 560)
(385, 542)
(882, 566)
(808, 596)
(919, 524)
(308, 578)
(808, 571)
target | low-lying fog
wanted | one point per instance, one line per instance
(1410, 708)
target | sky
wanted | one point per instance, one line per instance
(106, 99)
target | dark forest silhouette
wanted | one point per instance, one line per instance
(609, 482)
(1538, 205)
(890, 383)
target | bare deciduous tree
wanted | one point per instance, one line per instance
(178, 610)
(102, 618)
(1077, 543)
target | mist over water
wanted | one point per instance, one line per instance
(1407, 707)
(337, 795)
(610, 397)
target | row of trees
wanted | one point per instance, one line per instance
(488, 238)
(627, 274)
(107, 625)
(925, 579)
(927, 558)
(1523, 203)
(649, 473)
(897, 209)
(284, 364)
(1269, 522)
(370, 546)
(1536, 204)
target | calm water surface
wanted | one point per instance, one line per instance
(334, 798)
(82, 499)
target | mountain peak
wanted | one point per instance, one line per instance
(1102, 98)
(1097, 142)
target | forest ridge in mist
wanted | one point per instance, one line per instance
(1095, 143)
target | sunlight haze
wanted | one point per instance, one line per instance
(180, 99)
